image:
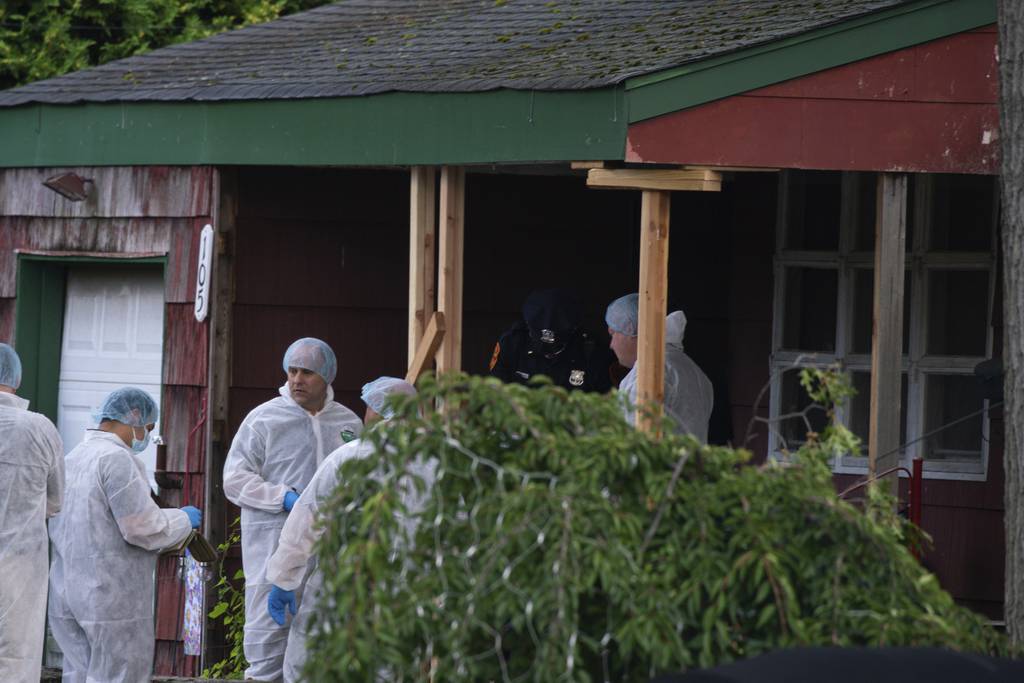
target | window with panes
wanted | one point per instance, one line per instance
(823, 307)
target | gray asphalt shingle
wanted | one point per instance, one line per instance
(362, 47)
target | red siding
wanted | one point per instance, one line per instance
(750, 306)
(933, 107)
(7, 321)
(185, 346)
(181, 414)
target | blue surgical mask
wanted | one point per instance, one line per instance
(137, 445)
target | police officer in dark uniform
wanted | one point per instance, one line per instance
(549, 341)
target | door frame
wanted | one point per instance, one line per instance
(39, 320)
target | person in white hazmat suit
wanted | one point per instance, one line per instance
(31, 490)
(288, 564)
(105, 544)
(689, 395)
(273, 456)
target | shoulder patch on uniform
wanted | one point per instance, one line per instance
(494, 356)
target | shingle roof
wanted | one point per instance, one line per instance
(362, 47)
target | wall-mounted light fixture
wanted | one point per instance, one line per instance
(69, 185)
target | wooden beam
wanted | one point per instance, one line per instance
(432, 338)
(887, 334)
(654, 179)
(732, 169)
(585, 165)
(650, 392)
(224, 205)
(453, 194)
(422, 252)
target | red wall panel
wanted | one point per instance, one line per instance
(185, 346)
(933, 107)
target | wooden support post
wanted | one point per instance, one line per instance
(218, 382)
(887, 335)
(422, 236)
(650, 393)
(432, 338)
(452, 209)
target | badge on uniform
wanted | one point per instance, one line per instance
(576, 378)
(347, 435)
(547, 336)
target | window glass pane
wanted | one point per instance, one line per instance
(962, 211)
(949, 398)
(794, 399)
(812, 222)
(864, 214)
(864, 306)
(810, 309)
(860, 408)
(957, 312)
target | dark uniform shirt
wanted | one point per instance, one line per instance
(582, 364)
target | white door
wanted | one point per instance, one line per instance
(113, 337)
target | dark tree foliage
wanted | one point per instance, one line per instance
(559, 543)
(45, 38)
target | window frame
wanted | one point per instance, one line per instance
(915, 363)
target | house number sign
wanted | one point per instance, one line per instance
(203, 273)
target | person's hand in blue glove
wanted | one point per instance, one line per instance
(289, 500)
(195, 515)
(278, 599)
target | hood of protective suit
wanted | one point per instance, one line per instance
(675, 328)
(13, 401)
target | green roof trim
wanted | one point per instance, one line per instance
(388, 129)
(867, 36)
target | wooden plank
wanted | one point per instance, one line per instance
(781, 132)
(429, 344)
(422, 242)
(179, 413)
(654, 229)
(180, 273)
(76, 236)
(7, 320)
(169, 599)
(450, 266)
(654, 179)
(732, 169)
(887, 334)
(185, 346)
(585, 165)
(116, 191)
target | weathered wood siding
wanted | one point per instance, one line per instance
(929, 108)
(131, 213)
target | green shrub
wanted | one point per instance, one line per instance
(561, 544)
(230, 611)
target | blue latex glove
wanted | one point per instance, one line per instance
(195, 515)
(289, 500)
(278, 599)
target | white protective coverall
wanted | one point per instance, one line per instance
(31, 490)
(689, 395)
(277, 449)
(105, 545)
(287, 566)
